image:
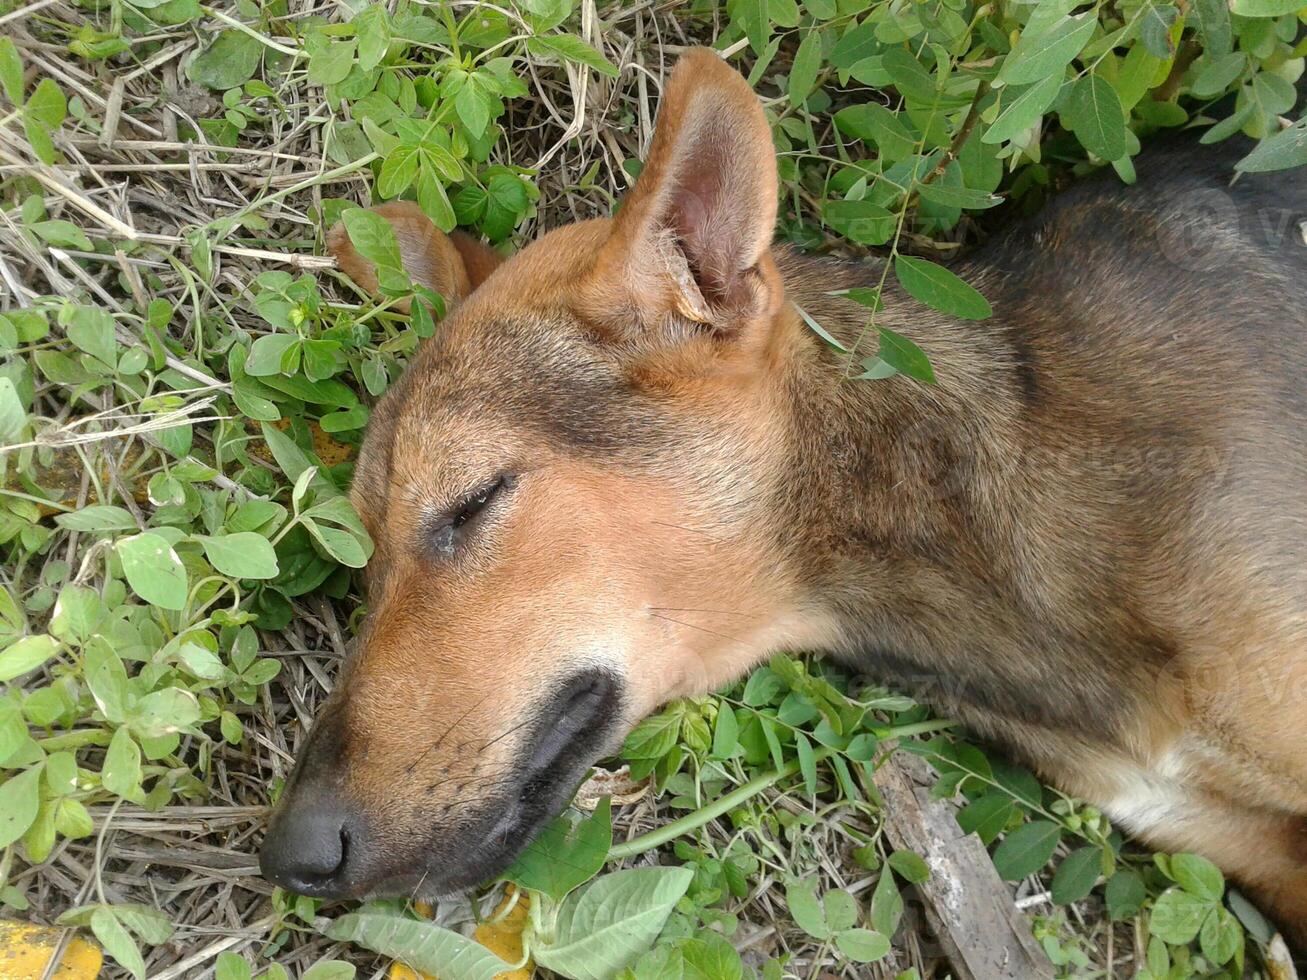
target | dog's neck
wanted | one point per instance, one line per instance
(908, 489)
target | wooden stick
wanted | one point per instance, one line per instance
(969, 906)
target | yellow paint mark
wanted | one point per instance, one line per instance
(503, 938)
(26, 950)
(327, 449)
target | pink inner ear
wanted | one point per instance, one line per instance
(720, 198)
(699, 214)
(695, 230)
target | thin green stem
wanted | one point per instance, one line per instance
(884, 732)
(322, 178)
(736, 797)
(246, 29)
(695, 820)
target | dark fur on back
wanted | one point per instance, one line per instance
(1020, 524)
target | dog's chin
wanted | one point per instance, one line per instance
(482, 852)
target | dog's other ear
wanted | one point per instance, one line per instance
(692, 241)
(451, 265)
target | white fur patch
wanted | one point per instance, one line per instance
(1148, 798)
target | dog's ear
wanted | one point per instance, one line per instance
(451, 265)
(691, 245)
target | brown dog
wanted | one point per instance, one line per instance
(624, 470)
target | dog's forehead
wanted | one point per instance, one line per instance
(496, 384)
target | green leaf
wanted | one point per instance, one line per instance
(957, 196)
(840, 908)
(1221, 936)
(1285, 149)
(1076, 875)
(292, 460)
(886, 904)
(11, 72)
(1037, 56)
(163, 712)
(939, 288)
(1265, 8)
(873, 123)
(343, 546)
(506, 201)
(805, 910)
(1212, 18)
(807, 763)
(398, 171)
(1177, 916)
(910, 77)
(1124, 895)
(231, 966)
(1027, 849)
(566, 854)
(153, 570)
(13, 417)
(72, 819)
(13, 726)
(987, 816)
(1198, 876)
(807, 63)
(862, 945)
(1253, 921)
(331, 62)
(1093, 112)
(726, 733)
(434, 202)
(231, 60)
(897, 351)
(653, 737)
(470, 104)
(572, 49)
(329, 970)
(46, 105)
(91, 330)
(267, 354)
(857, 44)
(106, 677)
(910, 865)
(26, 655)
(153, 926)
(1219, 74)
(201, 662)
(372, 27)
(864, 222)
(374, 239)
(241, 555)
(602, 928)
(20, 801)
(62, 234)
(117, 941)
(96, 518)
(1155, 29)
(421, 945)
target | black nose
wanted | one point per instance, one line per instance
(307, 850)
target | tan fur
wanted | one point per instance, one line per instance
(1087, 542)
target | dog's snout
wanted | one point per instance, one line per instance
(307, 849)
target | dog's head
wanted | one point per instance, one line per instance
(573, 494)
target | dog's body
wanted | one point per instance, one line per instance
(625, 470)
(1089, 541)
